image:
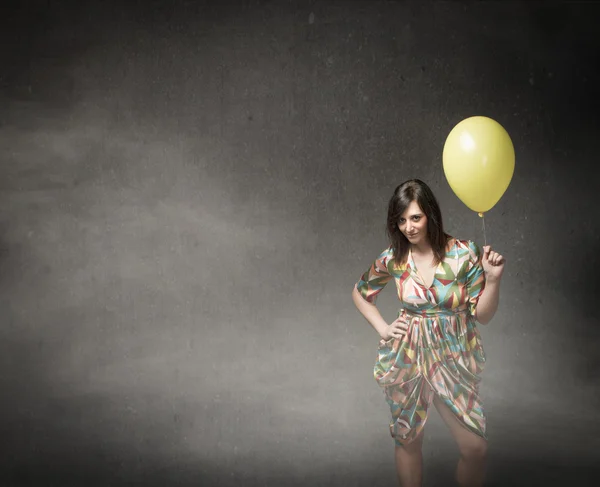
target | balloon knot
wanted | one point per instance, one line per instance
(480, 215)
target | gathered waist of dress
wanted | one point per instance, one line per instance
(461, 311)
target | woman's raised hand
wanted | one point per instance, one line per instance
(493, 263)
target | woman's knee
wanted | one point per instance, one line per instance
(474, 449)
(413, 447)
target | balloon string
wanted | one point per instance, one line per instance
(484, 237)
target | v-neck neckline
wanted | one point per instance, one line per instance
(415, 268)
(437, 267)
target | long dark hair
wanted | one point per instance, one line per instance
(404, 194)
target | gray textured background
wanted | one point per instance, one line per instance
(188, 193)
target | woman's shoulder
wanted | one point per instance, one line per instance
(470, 249)
(388, 259)
(468, 246)
(385, 257)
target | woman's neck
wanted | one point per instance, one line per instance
(422, 249)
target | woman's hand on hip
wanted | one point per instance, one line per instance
(396, 329)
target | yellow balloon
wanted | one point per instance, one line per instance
(479, 162)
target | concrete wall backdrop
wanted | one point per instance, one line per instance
(189, 191)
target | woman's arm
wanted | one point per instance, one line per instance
(370, 312)
(488, 302)
(493, 266)
(371, 284)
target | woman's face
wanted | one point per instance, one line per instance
(413, 224)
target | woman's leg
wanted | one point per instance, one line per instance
(470, 471)
(409, 462)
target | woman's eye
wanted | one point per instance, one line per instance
(416, 218)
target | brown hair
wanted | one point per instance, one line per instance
(404, 194)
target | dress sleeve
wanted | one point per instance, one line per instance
(475, 277)
(376, 277)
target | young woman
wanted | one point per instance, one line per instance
(432, 352)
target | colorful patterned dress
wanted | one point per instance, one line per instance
(441, 353)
